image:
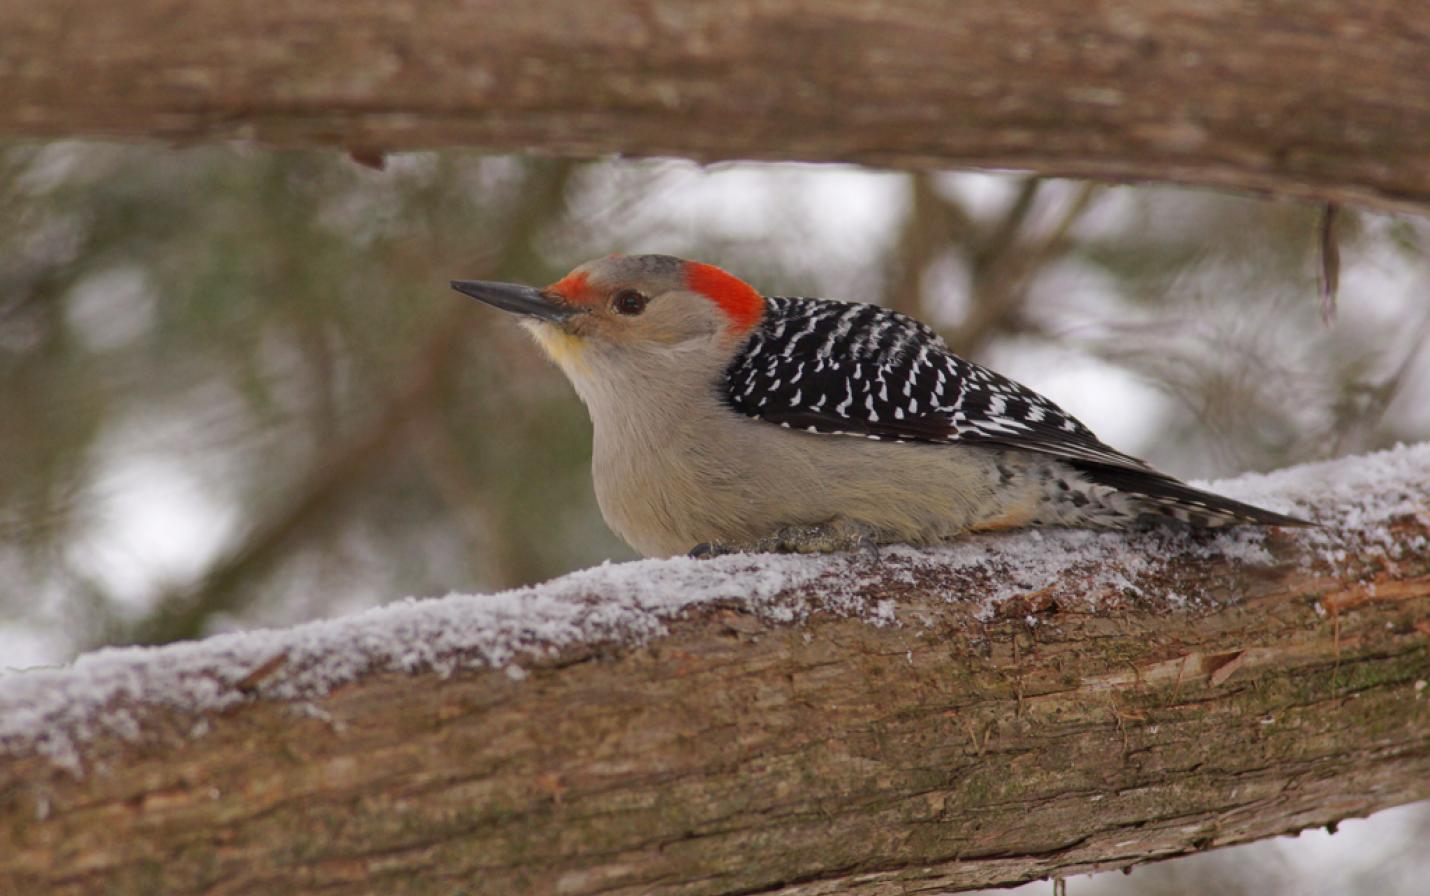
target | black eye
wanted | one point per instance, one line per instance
(629, 301)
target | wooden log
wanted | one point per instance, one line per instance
(1040, 703)
(1312, 99)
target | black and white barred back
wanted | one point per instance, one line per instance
(850, 369)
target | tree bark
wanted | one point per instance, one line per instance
(1327, 99)
(1123, 712)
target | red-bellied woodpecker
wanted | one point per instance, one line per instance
(727, 420)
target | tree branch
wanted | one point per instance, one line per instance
(1322, 100)
(1000, 710)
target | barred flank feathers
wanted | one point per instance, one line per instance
(849, 369)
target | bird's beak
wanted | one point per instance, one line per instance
(513, 297)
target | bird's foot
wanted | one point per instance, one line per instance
(836, 536)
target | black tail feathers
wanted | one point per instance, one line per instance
(1158, 495)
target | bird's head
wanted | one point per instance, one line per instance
(631, 311)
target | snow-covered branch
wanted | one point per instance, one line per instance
(1002, 709)
(1320, 100)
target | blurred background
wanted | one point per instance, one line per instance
(236, 391)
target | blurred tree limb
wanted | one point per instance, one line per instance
(1314, 100)
(1001, 256)
(1003, 267)
(220, 589)
(341, 469)
(737, 755)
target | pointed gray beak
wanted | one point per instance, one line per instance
(513, 297)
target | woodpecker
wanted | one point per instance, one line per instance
(727, 420)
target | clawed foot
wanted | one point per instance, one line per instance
(824, 538)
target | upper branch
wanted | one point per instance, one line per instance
(1002, 709)
(1315, 99)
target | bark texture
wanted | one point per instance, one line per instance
(736, 755)
(1314, 98)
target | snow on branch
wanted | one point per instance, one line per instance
(990, 712)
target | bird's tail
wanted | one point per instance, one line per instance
(1150, 495)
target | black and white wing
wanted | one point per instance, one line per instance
(851, 369)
